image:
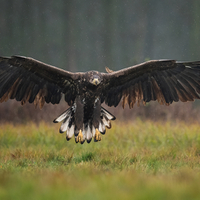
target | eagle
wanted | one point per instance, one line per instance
(28, 80)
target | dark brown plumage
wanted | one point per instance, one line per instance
(28, 80)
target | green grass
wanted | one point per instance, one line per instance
(140, 160)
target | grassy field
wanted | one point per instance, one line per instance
(140, 160)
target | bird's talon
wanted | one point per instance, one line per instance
(80, 137)
(97, 136)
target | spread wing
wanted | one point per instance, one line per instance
(162, 80)
(29, 80)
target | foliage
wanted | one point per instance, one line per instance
(89, 35)
(12, 111)
(140, 160)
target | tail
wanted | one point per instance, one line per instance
(88, 131)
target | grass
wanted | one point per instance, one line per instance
(140, 160)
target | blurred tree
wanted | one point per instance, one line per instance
(195, 30)
(84, 35)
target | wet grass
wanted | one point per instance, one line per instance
(140, 160)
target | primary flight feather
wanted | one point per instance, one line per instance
(28, 80)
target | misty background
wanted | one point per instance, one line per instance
(79, 35)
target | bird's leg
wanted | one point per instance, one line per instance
(79, 137)
(97, 136)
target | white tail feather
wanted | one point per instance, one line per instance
(102, 127)
(84, 134)
(62, 116)
(106, 122)
(70, 132)
(93, 131)
(107, 114)
(64, 125)
(88, 134)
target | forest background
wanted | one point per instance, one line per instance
(89, 35)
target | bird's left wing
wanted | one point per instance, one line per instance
(162, 80)
(28, 80)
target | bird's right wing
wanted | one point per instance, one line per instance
(28, 80)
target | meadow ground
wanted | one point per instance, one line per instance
(139, 160)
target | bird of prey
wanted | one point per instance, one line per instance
(28, 80)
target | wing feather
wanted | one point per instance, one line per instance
(28, 80)
(147, 90)
(166, 81)
(193, 81)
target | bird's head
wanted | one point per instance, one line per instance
(95, 78)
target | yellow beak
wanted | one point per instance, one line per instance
(95, 81)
